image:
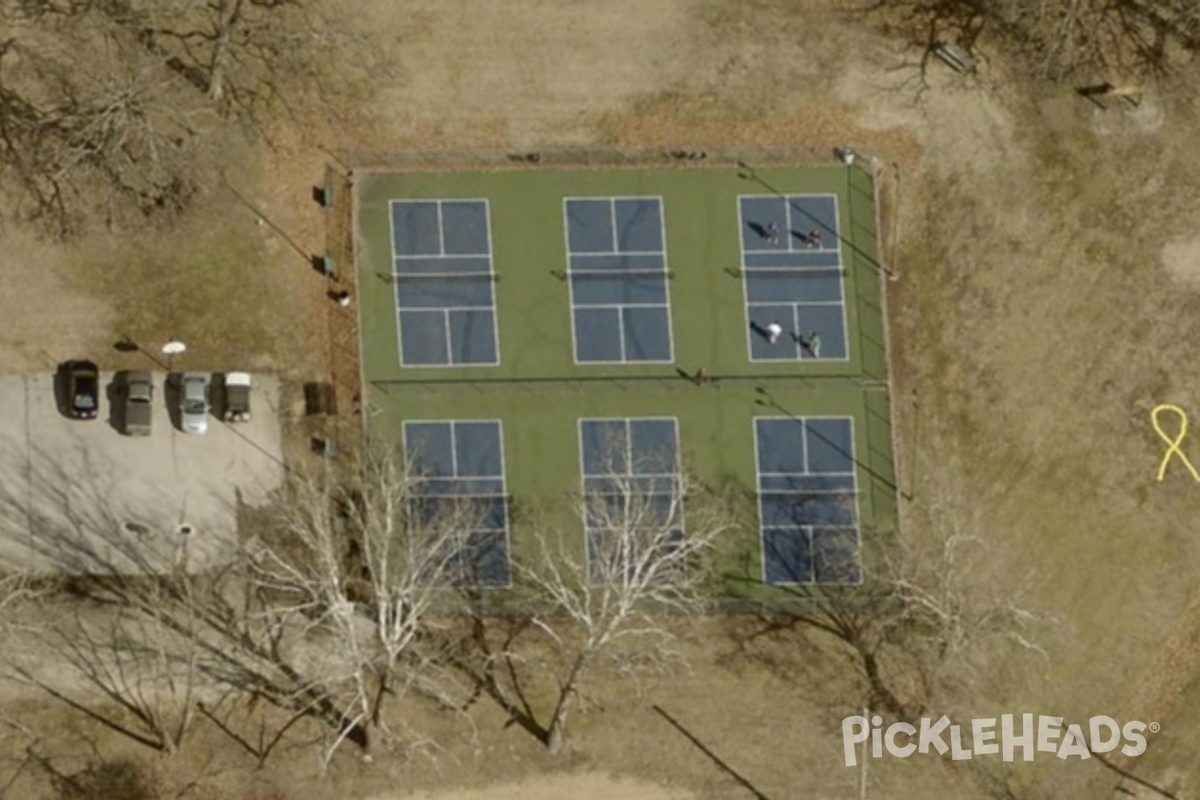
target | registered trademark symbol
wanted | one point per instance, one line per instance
(1155, 727)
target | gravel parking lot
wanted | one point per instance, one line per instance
(78, 497)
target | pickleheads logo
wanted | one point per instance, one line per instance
(1047, 735)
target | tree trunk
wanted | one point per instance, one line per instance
(556, 735)
(227, 18)
(880, 692)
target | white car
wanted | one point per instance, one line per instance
(236, 405)
(193, 402)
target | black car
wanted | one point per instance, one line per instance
(83, 389)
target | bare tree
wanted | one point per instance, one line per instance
(1124, 39)
(925, 619)
(1058, 40)
(155, 650)
(239, 54)
(132, 661)
(363, 566)
(119, 106)
(319, 621)
(74, 138)
(608, 602)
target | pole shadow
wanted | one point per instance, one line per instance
(748, 173)
(713, 757)
(768, 400)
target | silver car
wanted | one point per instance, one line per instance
(193, 402)
(136, 392)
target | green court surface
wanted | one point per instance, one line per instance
(539, 391)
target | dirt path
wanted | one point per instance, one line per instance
(586, 786)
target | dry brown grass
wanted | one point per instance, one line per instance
(1034, 327)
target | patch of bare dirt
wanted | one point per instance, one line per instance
(588, 786)
(1181, 260)
(47, 318)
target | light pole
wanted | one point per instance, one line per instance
(172, 349)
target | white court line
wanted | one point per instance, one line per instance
(502, 477)
(623, 274)
(612, 217)
(628, 473)
(808, 529)
(493, 305)
(441, 226)
(747, 270)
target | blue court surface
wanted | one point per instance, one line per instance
(445, 284)
(462, 464)
(793, 277)
(617, 263)
(808, 508)
(631, 484)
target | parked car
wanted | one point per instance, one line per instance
(137, 397)
(194, 402)
(236, 405)
(82, 389)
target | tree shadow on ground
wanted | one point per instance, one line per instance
(493, 670)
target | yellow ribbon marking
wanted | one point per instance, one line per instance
(1173, 443)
